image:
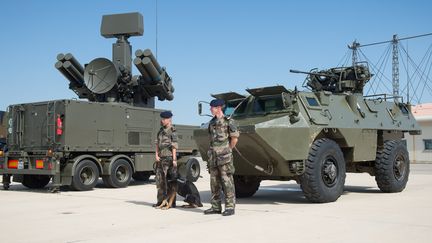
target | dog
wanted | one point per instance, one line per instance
(185, 189)
(190, 193)
(170, 200)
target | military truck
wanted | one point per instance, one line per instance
(314, 137)
(112, 135)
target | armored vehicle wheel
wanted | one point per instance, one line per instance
(121, 174)
(141, 176)
(392, 167)
(6, 181)
(86, 176)
(193, 170)
(246, 186)
(324, 177)
(35, 181)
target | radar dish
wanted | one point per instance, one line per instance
(100, 75)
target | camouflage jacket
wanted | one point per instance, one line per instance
(220, 131)
(166, 141)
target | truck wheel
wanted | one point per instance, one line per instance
(141, 175)
(246, 186)
(35, 181)
(193, 170)
(324, 177)
(86, 176)
(392, 167)
(121, 174)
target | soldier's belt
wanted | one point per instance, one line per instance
(219, 144)
(164, 147)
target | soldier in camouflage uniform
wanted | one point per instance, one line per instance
(223, 138)
(166, 158)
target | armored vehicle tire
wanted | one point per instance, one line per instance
(120, 176)
(392, 167)
(86, 176)
(193, 170)
(35, 181)
(141, 175)
(324, 177)
(246, 186)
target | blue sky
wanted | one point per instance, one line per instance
(207, 46)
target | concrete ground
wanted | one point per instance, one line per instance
(277, 213)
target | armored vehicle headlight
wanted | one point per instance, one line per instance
(50, 153)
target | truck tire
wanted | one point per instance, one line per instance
(246, 186)
(141, 175)
(35, 181)
(324, 177)
(193, 170)
(121, 174)
(392, 167)
(86, 176)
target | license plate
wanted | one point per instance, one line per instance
(20, 164)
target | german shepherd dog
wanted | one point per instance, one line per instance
(168, 203)
(190, 193)
(170, 199)
(185, 189)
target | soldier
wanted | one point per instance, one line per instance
(223, 138)
(166, 159)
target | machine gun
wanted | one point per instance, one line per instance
(103, 80)
(338, 80)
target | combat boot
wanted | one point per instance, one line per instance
(228, 212)
(212, 211)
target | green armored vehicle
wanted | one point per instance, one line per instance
(316, 137)
(112, 135)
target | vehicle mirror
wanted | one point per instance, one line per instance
(200, 112)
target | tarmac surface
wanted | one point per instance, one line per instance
(278, 212)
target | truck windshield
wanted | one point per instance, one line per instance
(266, 104)
(230, 106)
(260, 105)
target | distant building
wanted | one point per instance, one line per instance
(420, 146)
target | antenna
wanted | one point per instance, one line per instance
(408, 77)
(395, 66)
(156, 29)
(354, 47)
(395, 58)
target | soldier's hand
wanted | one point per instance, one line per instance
(157, 158)
(175, 163)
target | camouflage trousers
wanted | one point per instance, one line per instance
(221, 179)
(166, 178)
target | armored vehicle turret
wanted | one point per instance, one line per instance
(314, 137)
(103, 80)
